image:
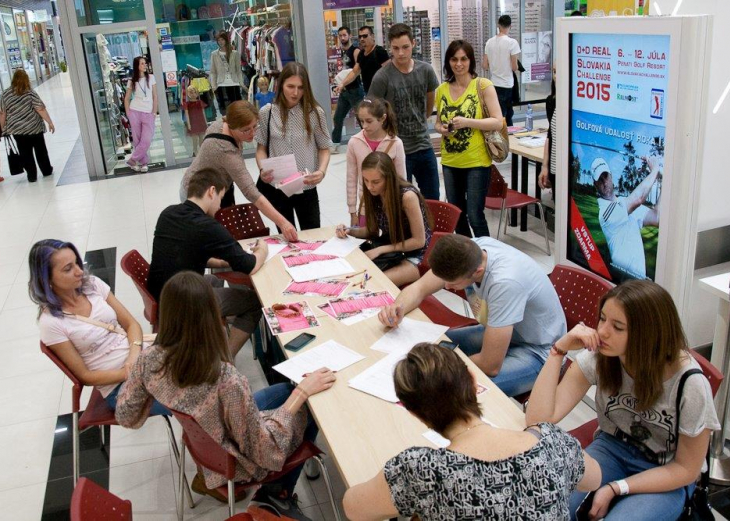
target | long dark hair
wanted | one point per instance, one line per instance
(227, 38)
(308, 103)
(135, 70)
(379, 107)
(453, 48)
(191, 331)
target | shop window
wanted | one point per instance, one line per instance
(96, 12)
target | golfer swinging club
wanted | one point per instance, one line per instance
(621, 218)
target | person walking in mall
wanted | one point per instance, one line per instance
(409, 86)
(369, 61)
(140, 105)
(352, 93)
(22, 115)
(226, 77)
(460, 103)
(294, 124)
(500, 59)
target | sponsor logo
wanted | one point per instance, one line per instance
(628, 87)
(631, 98)
(656, 107)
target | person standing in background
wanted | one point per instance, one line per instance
(409, 85)
(195, 118)
(226, 77)
(263, 96)
(369, 61)
(352, 94)
(500, 59)
(140, 104)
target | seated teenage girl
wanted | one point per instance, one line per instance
(67, 296)
(189, 369)
(397, 219)
(486, 472)
(636, 358)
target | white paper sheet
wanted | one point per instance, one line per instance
(320, 270)
(283, 166)
(377, 379)
(292, 187)
(339, 247)
(408, 333)
(532, 141)
(330, 354)
(441, 442)
(274, 249)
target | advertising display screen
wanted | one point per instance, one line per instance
(618, 88)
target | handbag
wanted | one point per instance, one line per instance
(150, 338)
(15, 162)
(387, 260)
(497, 141)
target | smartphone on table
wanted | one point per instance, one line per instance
(299, 341)
(448, 345)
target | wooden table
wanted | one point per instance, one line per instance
(526, 154)
(363, 431)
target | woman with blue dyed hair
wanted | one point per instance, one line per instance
(73, 309)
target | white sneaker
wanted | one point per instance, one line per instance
(144, 169)
(136, 168)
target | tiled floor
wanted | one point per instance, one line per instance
(117, 213)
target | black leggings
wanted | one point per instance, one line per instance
(27, 144)
(226, 96)
(304, 205)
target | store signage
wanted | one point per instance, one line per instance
(184, 40)
(353, 4)
(618, 85)
(171, 79)
(537, 50)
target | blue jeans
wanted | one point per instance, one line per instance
(521, 365)
(423, 166)
(348, 100)
(619, 460)
(157, 408)
(467, 188)
(504, 95)
(273, 397)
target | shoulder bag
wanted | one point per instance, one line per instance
(15, 162)
(497, 141)
(111, 327)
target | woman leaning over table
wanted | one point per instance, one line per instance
(465, 158)
(294, 124)
(636, 359)
(486, 472)
(22, 115)
(221, 150)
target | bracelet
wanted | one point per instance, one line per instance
(305, 393)
(623, 487)
(615, 493)
(554, 350)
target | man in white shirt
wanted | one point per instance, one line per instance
(621, 218)
(500, 58)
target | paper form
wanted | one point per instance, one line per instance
(295, 317)
(349, 320)
(330, 354)
(283, 166)
(317, 288)
(291, 185)
(408, 333)
(377, 379)
(325, 269)
(275, 248)
(340, 247)
(355, 303)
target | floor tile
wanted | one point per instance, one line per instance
(25, 503)
(134, 445)
(17, 323)
(18, 297)
(29, 397)
(25, 450)
(148, 485)
(23, 356)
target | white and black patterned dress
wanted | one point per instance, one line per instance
(21, 115)
(439, 484)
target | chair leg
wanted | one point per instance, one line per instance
(182, 483)
(176, 453)
(499, 223)
(327, 482)
(75, 446)
(231, 498)
(103, 436)
(544, 227)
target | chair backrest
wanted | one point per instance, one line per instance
(134, 265)
(497, 185)
(204, 449)
(445, 215)
(243, 221)
(580, 293)
(424, 266)
(711, 372)
(90, 502)
(77, 385)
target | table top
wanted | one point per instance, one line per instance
(363, 431)
(718, 285)
(533, 153)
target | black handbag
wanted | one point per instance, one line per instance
(15, 162)
(387, 260)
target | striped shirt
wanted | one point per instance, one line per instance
(20, 111)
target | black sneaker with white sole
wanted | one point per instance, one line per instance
(279, 503)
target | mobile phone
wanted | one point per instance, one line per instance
(448, 345)
(298, 342)
(450, 126)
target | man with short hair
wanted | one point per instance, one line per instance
(621, 218)
(352, 93)
(187, 237)
(410, 85)
(500, 58)
(369, 60)
(524, 317)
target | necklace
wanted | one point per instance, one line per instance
(481, 423)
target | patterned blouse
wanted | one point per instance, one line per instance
(382, 219)
(439, 484)
(295, 139)
(21, 115)
(260, 440)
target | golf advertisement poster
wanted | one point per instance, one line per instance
(618, 87)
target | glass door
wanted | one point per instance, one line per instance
(26, 47)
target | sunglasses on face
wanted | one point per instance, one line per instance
(362, 36)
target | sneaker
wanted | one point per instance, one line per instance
(199, 487)
(136, 168)
(279, 503)
(144, 169)
(311, 469)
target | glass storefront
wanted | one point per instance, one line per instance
(25, 43)
(97, 12)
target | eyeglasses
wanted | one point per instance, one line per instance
(362, 36)
(250, 130)
(287, 310)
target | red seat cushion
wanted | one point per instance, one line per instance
(97, 412)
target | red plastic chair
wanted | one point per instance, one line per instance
(243, 221)
(440, 314)
(97, 414)
(90, 502)
(584, 434)
(134, 265)
(445, 215)
(209, 454)
(501, 197)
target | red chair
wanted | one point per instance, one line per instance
(97, 414)
(423, 267)
(243, 221)
(584, 434)
(134, 265)
(501, 197)
(209, 454)
(445, 215)
(90, 502)
(440, 314)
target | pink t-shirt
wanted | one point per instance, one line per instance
(99, 349)
(372, 144)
